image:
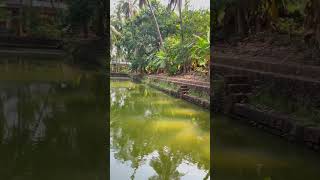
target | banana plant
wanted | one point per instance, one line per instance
(200, 52)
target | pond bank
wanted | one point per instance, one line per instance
(197, 93)
(235, 98)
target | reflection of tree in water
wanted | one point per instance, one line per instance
(131, 147)
(134, 140)
(166, 165)
(54, 128)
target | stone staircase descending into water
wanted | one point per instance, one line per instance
(237, 90)
(183, 89)
(291, 79)
(243, 76)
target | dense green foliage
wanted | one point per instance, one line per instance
(35, 26)
(135, 38)
(79, 17)
(3, 12)
(88, 15)
(243, 17)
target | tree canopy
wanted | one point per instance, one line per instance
(243, 17)
(140, 43)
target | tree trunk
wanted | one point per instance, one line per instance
(258, 24)
(100, 25)
(156, 22)
(20, 22)
(52, 4)
(180, 16)
(85, 29)
(311, 23)
(240, 21)
(102, 15)
(28, 16)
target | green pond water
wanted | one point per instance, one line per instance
(155, 136)
(241, 152)
(53, 121)
(54, 126)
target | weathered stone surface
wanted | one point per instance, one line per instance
(296, 88)
(200, 86)
(312, 136)
(238, 88)
(279, 124)
(197, 101)
(285, 81)
(280, 68)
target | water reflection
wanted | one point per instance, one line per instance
(52, 127)
(154, 136)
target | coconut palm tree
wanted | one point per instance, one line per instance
(143, 3)
(116, 52)
(126, 7)
(240, 14)
(312, 21)
(172, 5)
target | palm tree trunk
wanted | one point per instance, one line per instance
(180, 16)
(240, 21)
(156, 22)
(85, 29)
(52, 4)
(20, 25)
(28, 15)
(311, 23)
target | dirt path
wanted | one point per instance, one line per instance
(184, 79)
(274, 48)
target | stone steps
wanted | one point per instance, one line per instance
(237, 90)
(183, 89)
(298, 81)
